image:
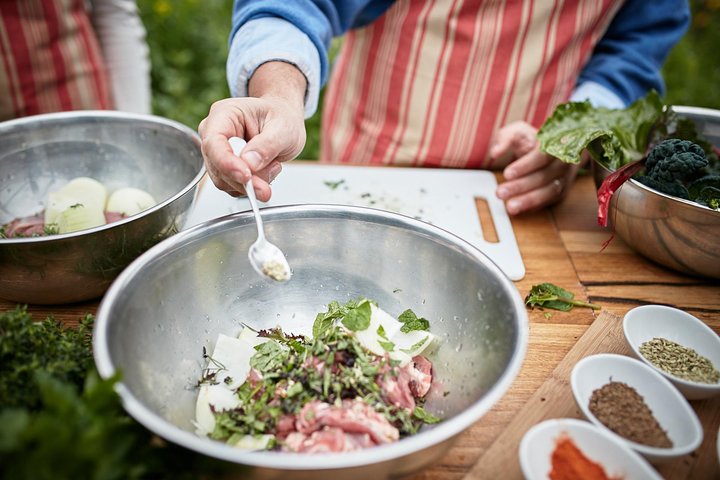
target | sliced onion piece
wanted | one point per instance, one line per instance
(129, 201)
(80, 217)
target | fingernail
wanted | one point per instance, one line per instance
(509, 173)
(502, 192)
(513, 207)
(275, 170)
(253, 159)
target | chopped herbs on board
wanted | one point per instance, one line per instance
(547, 295)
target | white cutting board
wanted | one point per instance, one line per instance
(442, 197)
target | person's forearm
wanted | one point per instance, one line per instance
(279, 80)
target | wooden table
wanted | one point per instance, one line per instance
(562, 245)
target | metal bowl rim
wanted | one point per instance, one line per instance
(409, 445)
(49, 117)
(681, 201)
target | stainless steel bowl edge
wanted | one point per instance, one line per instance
(399, 458)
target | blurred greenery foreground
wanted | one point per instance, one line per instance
(189, 42)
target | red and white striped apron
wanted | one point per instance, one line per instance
(51, 59)
(431, 81)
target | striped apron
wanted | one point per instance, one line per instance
(431, 81)
(51, 59)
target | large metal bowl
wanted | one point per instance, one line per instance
(40, 154)
(676, 233)
(176, 298)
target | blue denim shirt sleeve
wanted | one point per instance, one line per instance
(627, 61)
(597, 95)
(270, 38)
(625, 64)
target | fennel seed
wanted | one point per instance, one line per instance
(679, 361)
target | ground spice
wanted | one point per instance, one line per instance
(623, 410)
(679, 361)
(569, 463)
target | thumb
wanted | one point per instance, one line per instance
(518, 138)
(270, 144)
(501, 144)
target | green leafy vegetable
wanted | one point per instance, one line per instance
(269, 356)
(61, 421)
(348, 371)
(613, 137)
(27, 347)
(421, 414)
(411, 322)
(670, 164)
(621, 140)
(358, 318)
(547, 295)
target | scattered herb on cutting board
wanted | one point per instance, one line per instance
(62, 421)
(548, 295)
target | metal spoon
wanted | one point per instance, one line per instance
(266, 258)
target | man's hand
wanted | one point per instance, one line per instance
(270, 120)
(533, 179)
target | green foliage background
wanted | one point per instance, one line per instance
(188, 44)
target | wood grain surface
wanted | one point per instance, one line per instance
(562, 245)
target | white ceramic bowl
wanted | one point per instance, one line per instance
(616, 458)
(650, 321)
(668, 406)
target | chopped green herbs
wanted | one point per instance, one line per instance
(330, 367)
(333, 185)
(412, 322)
(421, 414)
(357, 318)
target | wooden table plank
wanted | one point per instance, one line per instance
(554, 400)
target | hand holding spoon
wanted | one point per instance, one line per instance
(266, 258)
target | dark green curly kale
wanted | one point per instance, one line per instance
(706, 191)
(671, 164)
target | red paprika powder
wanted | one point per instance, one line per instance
(569, 463)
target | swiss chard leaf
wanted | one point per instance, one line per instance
(613, 137)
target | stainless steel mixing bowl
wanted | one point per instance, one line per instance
(176, 298)
(673, 232)
(40, 154)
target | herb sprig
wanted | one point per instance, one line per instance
(547, 295)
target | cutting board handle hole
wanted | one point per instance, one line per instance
(486, 220)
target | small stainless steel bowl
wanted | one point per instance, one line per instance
(676, 233)
(39, 154)
(176, 298)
